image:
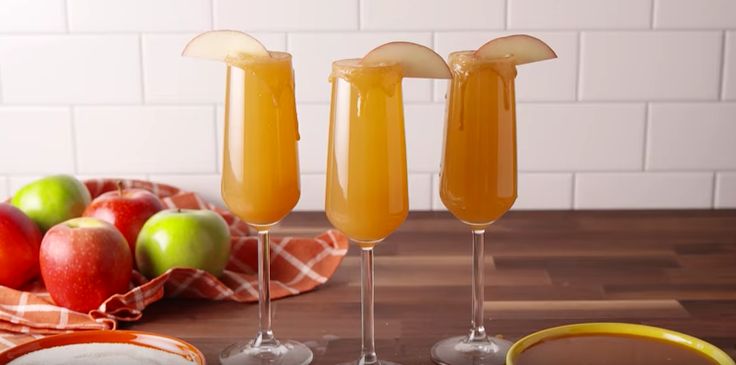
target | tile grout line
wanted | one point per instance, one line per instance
(142, 77)
(204, 104)
(653, 10)
(65, 8)
(431, 191)
(435, 199)
(360, 15)
(645, 149)
(578, 80)
(574, 186)
(722, 82)
(507, 15)
(212, 14)
(714, 187)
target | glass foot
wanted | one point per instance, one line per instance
(459, 351)
(283, 353)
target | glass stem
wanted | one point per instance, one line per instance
(478, 332)
(368, 349)
(265, 334)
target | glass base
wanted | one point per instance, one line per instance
(459, 351)
(360, 362)
(282, 353)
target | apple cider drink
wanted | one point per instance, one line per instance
(478, 175)
(478, 180)
(367, 195)
(260, 173)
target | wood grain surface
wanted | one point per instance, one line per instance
(674, 269)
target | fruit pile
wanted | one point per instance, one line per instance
(85, 250)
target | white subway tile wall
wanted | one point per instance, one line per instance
(4, 192)
(36, 140)
(639, 111)
(695, 14)
(312, 193)
(147, 139)
(139, 15)
(729, 67)
(692, 136)
(726, 190)
(580, 137)
(291, 15)
(70, 69)
(638, 190)
(32, 16)
(650, 65)
(544, 191)
(424, 127)
(583, 14)
(432, 14)
(420, 191)
(314, 120)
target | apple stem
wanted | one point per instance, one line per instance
(119, 184)
(178, 210)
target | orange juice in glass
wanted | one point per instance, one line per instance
(260, 173)
(478, 176)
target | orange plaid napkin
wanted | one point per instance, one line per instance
(297, 265)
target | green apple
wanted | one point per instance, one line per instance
(191, 238)
(52, 200)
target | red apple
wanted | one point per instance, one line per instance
(20, 239)
(126, 209)
(83, 262)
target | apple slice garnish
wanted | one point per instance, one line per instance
(416, 60)
(222, 45)
(524, 48)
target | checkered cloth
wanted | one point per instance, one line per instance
(297, 265)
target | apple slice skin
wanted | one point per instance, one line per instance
(524, 48)
(220, 45)
(416, 60)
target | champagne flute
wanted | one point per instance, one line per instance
(260, 181)
(478, 181)
(366, 193)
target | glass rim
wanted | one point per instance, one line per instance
(275, 57)
(355, 64)
(470, 55)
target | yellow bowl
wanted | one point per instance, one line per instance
(681, 339)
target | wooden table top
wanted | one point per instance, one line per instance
(674, 269)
